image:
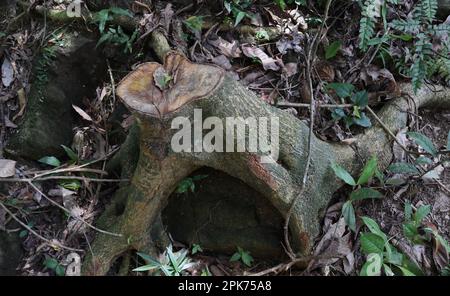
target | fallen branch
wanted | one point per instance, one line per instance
(49, 242)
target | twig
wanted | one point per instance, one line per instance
(309, 62)
(67, 211)
(97, 180)
(304, 105)
(51, 243)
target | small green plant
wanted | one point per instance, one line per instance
(359, 192)
(53, 264)
(262, 35)
(418, 33)
(196, 249)
(194, 23)
(360, 101)
(414, 230)
(283, 3)
(381, 255)
(206, 272)
(189, 184)
(114, 35)
(238, 9)
(243, 256)
(333, 49)
(430, 151)
(172, 263)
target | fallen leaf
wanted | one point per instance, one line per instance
(399, 153)
(228, 49)
(82, 113)
(268, 63)
(222, 61)
(7, 168)
(7, 72)
(22, 103)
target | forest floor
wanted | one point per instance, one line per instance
(266, 49)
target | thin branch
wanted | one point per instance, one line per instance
(304, 105)
(309, 63)
(68, 212)
(51, 243)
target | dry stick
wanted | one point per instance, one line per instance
(27, 180)
(390, 133)
(51, 243)
(304, 105)
(309, 61)
(67, 211)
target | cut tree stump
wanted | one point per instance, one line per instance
(157, 170)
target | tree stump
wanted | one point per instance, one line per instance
(157, 95)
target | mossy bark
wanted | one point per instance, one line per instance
(159, 169)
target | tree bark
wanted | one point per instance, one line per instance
(159, 169)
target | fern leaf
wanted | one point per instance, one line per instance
(428, 9)
(408, 26)
(370, 11)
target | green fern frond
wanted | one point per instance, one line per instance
(407, 26)
(427, 9)
(440, 30)
(418, 74)
(369, 14)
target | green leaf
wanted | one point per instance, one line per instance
(247, 259)
(403, 168)
(70, 153)
(368, 171)
(71, 185)
(145, 268)
(196, 249)
(349, 215)
(363, 120)
(405, 271)
(50, 160)
(342, 174)
(343, 90)
(148, 259)
(23, 233)
(60, 270)
(387, 270)
(338, 113)
(361, 98)
(373, 227)
(236, 256)
(372, 267)
(408, 212)
(332, 49)
(365, 193)
(239, 17)
(51, 263)
(410, 231)
(421, 213)
(423, 160)
(423, 141)
(120, 11)
(371, 243)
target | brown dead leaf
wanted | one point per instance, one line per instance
(7, 168)
(82, 113)
(228, 49)
(399, 153)
(379, 82)
(22, 103)
(7, 72)
(222, 61)
(267, 62)
(325, 71)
